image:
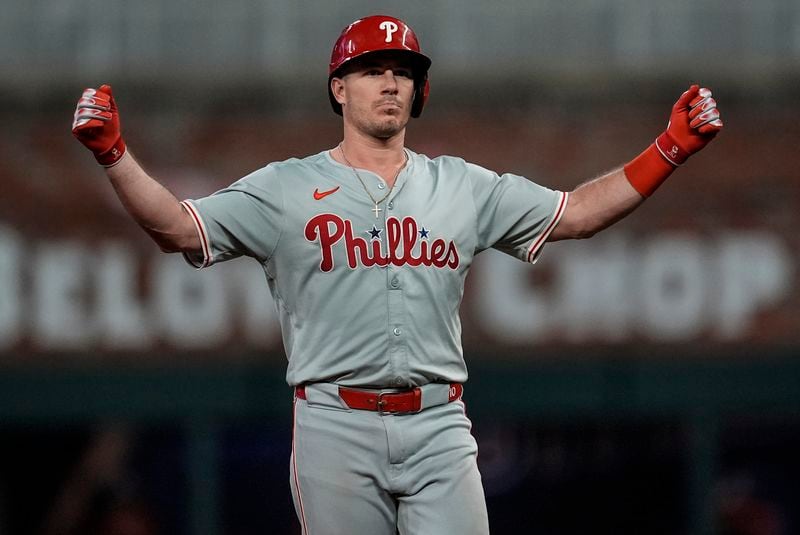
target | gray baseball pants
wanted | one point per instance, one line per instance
(358, 472)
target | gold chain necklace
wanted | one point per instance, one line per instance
(376, 201)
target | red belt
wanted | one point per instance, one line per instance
(394, 402)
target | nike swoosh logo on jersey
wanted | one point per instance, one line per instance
(322, 194)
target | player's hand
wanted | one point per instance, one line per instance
(692, 125)
(96, 125)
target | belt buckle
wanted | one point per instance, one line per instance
(382, 403)
(414, 406)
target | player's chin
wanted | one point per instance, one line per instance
(388, 126)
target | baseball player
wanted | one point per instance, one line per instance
(365, 247)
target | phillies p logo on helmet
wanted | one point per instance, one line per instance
(390, 27)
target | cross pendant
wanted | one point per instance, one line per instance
(376, 210)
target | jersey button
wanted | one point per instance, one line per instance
(380, 185)
(397, 331)
(395, 283)
(390, 206)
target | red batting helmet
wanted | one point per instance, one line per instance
(376, 34)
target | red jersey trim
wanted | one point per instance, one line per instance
(202, 233)
(536, 247)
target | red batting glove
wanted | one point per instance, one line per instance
(96, 125)
(692, 125)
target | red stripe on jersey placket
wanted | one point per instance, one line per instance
(562, 205)
(201, 231)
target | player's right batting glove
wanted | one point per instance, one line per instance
(693, 123)
(96, 125)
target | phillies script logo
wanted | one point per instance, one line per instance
(402, 238)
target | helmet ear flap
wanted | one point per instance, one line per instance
(422, 89)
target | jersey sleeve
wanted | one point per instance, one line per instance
(244, 219)
(514, 214)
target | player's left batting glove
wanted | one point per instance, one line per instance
(694, 122)
(96, 125)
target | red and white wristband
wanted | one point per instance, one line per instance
(651, 168)
(112, 156)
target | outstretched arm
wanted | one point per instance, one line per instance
(152, 206)
(597, 204)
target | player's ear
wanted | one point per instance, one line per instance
(337, 88)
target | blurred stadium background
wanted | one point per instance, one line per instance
(645, 381)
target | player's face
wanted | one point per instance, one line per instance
(376, 95)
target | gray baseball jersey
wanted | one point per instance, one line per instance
(370, 297)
